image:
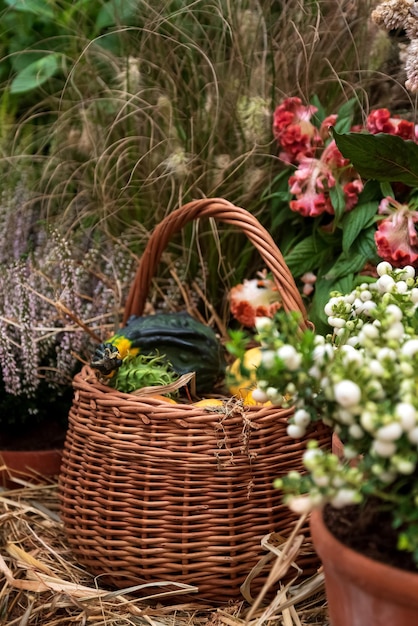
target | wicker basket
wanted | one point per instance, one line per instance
(153, 491)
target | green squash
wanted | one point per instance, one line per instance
(186, 344)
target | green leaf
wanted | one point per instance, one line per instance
(307, 255)
(403, 542)
(323, 289)
(35, 74)
(280, 212)
(357, 220)
(351, 262)
(347, 109)
(382, 157)
(279, 182)
(116, 12)
(345, 116)
(22, 60)
(337, 198)
(36, 7)
(386, 189)
(321, 114)
(372, 192)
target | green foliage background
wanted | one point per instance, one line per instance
(113, 113)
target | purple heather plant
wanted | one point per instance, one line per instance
(41, 346)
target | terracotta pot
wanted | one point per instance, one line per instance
(28, 465)
(360, 591)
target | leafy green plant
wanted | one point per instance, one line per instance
(361, 381)
(143, 370)
(382, 157)
(38, 39)
(347, 196)
(114, 112)
(143, 110)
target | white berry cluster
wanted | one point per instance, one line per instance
(361, 380)
(328, 480)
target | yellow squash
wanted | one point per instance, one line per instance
(242, 386)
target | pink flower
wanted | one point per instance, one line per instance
(308, 279)
(396, 236)
(328, 122)
(312, 181)
(295, 133)
(333, 157)
(352, 189)
(310, 184)
(254, 298)
(380, 121)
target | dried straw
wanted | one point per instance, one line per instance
(41, 582)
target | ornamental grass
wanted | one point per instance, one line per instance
(175, 105)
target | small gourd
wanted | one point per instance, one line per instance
(185, 343)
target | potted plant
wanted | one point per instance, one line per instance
(361, 380)
(54, 307)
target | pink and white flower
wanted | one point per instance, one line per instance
(253, 299)
(396, 236)
(381, 121)
(313, 179)
(310, 184)
(326, 125)
(295, 133)
(308, 279)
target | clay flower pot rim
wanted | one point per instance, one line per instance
(42, 452)
(28, 464)
(362, 570)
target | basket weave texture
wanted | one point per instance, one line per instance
(152, 491)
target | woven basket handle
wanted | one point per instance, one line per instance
(223, 211)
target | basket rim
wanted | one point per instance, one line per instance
(224, 211)
(86, 381)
